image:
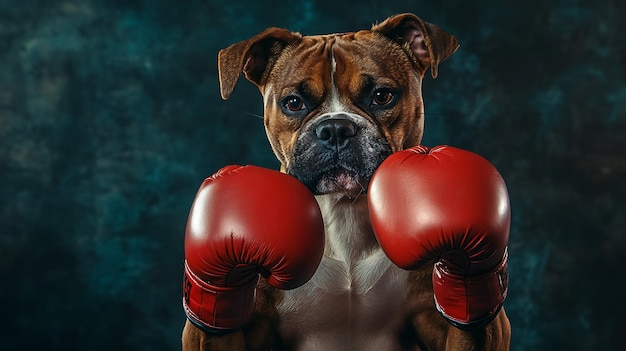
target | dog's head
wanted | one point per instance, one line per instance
(337, 105)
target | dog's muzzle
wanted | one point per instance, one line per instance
(338, 153)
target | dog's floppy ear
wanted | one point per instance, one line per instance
(254, 57)
(428, 43)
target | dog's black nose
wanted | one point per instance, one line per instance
(335, 132)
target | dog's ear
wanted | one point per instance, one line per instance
(254, 57)
(428, 43)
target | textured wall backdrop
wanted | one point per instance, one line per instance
(110, 118)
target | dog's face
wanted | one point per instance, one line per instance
(337, 105)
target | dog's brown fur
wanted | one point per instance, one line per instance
(268, 58)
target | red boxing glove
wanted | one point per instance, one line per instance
(449, 206)
(245, 221)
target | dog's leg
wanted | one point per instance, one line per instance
(258, 335)
(433, 332)
(495, 336)
(195, 339)
(261, 332)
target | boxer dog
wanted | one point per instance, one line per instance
(335, 107)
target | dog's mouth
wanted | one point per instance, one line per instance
(336, 180)
(341, 180)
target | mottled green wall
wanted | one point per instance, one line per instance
(110, 118)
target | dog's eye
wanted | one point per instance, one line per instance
(293, 103)
(382, 97)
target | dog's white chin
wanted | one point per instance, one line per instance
(344, 182)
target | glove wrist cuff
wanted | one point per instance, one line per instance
(470, 302)
(217, 309)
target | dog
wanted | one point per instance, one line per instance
(335, 106)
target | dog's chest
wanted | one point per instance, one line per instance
(356, 299)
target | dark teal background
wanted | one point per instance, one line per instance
(110, 118)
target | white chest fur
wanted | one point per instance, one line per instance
(355, 299)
